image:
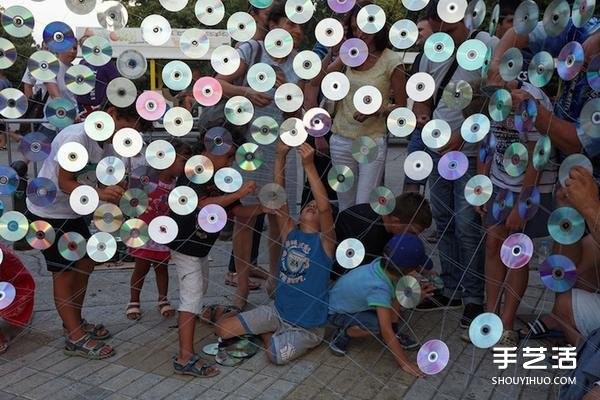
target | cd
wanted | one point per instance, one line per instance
(566, 225)
(478, 190)
(452, 11)
(211, 349)
(364, 149)
(503, 205)
(241, 26)
(500, 105)
(570, 162)
(589, 119)
(96, 50)
(471, 54)
(261, 77)
(307, 64)
(415, 5)
(367, 100)
(101, 247)
(453, 165)
(420, 87)
(264, 130)
(225, 60)
(370, 19)
(542, 152)
(163, 229)
(80, 79)
(511, 64)
(408, 291)
(289, 97)
(134, 202)
(218, 141)
(212, 218)
(249, 157)
(354, 52)
(485, 330)
(556, 17)
(173, 5)
(525, 116)
(177, 75)
(60, 112)
(418, 165)
(433, 357)
(570, 61)
(341, 6)
(40, 235)
(403, 34)
(335, 86)
(582, 11)
(516, 251)
(151, 105)
(145, 178)
(222, 358)
(41, 191)
(278, 43)
(112, 15)
(515, 159)
(35, 146)
(108, 218)
(494, 18)
(199, 169)
(84, 200)
(207, 91)
(156, 30)
(121, 92)
(72, 246)
(131, 64)
(317, 122)
(58, 37)
(13, 103)
(72, 156)
(401, 122)
(329, 32)
(8, 53)
(475, 128)
(299, 11)
(127, 142)
(160, 154)
(526, 17)
(529, 202)
(350, 253)
(438, 47)
(110, 171)
(292, 132)
(81, 7)
(228, 180)
(541, 69)
(43, 65)
(178, 121)
(134, 233)
(340, 178)
(475, 14)
(382, 200)
(457, 95)
(194, 43)
(209, 12)
(558, 273)
(7, 294)
(436, 133)
(239, 110)
(13, 226)
(243, 348)
(272, 196)
(9, 180)
(183, 200)
(17, 21)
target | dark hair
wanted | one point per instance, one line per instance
(413, 207)
(277, 11)
(431, 11)
(381, 37)
(388, 266)
(507, 7)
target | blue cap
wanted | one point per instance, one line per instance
(406, 250)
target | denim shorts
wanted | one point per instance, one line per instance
(367, 320)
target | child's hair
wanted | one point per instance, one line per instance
(413, 207)
(381, 37)
(431, 11)
(277, 11)
(182, 148)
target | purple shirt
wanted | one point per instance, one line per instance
(104, 74)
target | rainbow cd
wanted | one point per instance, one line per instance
(228, 180)
(43, 65)
(239, 110)
(96, 50)
(511, 64)
(341, 6)
(525, 116)
(503, 205)
(593, 73)
(218, 141)
(515, 159)
(292, 132)
(453, 165)
(80, 79)
(566, 225)
(199, 169)
(529, 202)
(59, 37)
(264, 130)
(350, 253)
(364, 149)
(144, 177)
(272, 196)
(134, 233)
(101, 247)
(558, 273)
(72, 246)
(41, 192)
(485, 330)
(354, 52)
(556, 17)
(570, 61)
(475, 128)
(278, 43)
(471, 54)
(8, 293)
(340, 178)
(478, 190)
(582, 11)
(542, 152)
(516, 251)
(408, 291)
(17, 21)
(249, 157)
(317, 122)
(8, 53)
(458, 95)
(60, 112)
(13, 103)
(40, 235)
(526, 17)
(212, 218)
(500, 105)
(541, 69)
(9, 180)
(108, 218)
(134, 202)
(433, 357)
(261, 77)
(13, 226)
(382, 200)
(438, 47)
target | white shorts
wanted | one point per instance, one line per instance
(192, 273)
(585, 311)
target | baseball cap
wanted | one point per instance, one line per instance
(406, 250)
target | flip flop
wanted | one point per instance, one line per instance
(231, 280)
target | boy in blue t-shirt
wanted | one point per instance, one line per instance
(362, 303)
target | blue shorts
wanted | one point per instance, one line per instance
(366, 320)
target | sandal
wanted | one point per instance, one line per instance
(509, 338)
(133, 312)
(96, 332)
(215, 312)
(79, 348)
(165, 309)
(206, 371)
(539, 330)
(231, 279)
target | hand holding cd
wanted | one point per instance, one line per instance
(580, 188)
(112, 194)
(307, 153)
(258, 99)
(247, 188)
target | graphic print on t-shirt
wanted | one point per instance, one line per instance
(295, 262)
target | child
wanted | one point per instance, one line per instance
(362, 303)
(293, 323)
(152, 253)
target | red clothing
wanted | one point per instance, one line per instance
(13, 271)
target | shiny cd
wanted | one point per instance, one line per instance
(112, 15)
(40, 235)
(457, 95)
(110, 171)
(370, 19)
(8, 53)
(218, 141)
(9, 180)
(367, 100)
(134, 233)
(500, 105)
(420, 86)
(364, 149)
(211, 349)
(529, 202)
(72, 246)
(17, 21)
(558, 273)
(278, 43)
(307, 64)
(542, 152)
(40, 191)
(145, 178)
(177, 75)
(222, 358)
(108, 218)
(151, 105)
(134, 202)
(228, 180)
(80, 79)
(212, 218)
(516, 251)
(415, 5)
(317, 122)
(8, 293)
(243, 348)
(582, 11)
(452, 11)
(127, 142)
(13, 103)
(72, 156)
(241, 26)
(503, 204)
(401, 122)
(272, 196)
(156, 30)
(340, 178)
(329, 32)
(515, 159)
(261, 77)
(289, 97)
(60, 112)
(58, 37)
(43, 65)
(570, 61)
(121, 92)
(173, 5)
(183, 200)
(408, 291)
(478, 190)
(131, 64)
(225, 60)
(572, 161)
(382, 200)
(541, 69)
(160, 154)
(299, 11)
(249, 157)
(163, 229)
(194, 43)
(418, 165)
(335, 86)
(292, 132)
(350, 253)
(35, 146)
(207, 91)
(453, 165)
(403, 34)
(436, 133)
(13, 226)
(556, 17)
(84, 200)
(494, 18)
(199, 169)
(433, 357)
(511, 64)
(264, 130)
(588, 124)
(526, 17)
(485, 330)
(566, 225)
(354, 52)
(475, 128)
(439, 47)
(96, 50)
(525, 116)
(81, 7)
(475, 14)
(239, 110)
(471, 54)
(101, 247)
(209, 12)
(178, 121)
(341, 6)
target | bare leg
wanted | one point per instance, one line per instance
(186, 324)
(356, 331)
(242, 248)
(563, 310)
(162, 280)
(137, 279)
(229, 327)
(516, 284)
(495, 270)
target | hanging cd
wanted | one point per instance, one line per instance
(340, 178)
(558, 273)
(354, 52)
(364, 149)
(261, 77)
(134, 202)
(542, 152)
(209, 12)
(8, 293)
(225, 60)
(151, 105)
(108, 218)
(9, 180)
(212, 218)
(72, 246)
(13, 226)
(80, 79)
(307, 64)
(40, 235)
(228, 180)
(471, 54)
(367, 100)
(249, 157)
(160, 154)
(299, 11)
(178, 121)
(453, 165)
(485, 330)
(401, 122)
(112, 15)
(420, 87)
(556, 17)
(84, 200)
(525, 116)
(72, 156)
(13, 103)
(526, 17)
(58, 37)
(41, 191)
(382, 200)
(500, 105)
(241, 26)
(529, 202)
(163, 229)
(43, 65)
(511, 64)
(194, 43)
(370, 19)
(515, 159)
(335, 86)
(503, 205)
(452, 11)
(570, 61)
(177, 75)
(218, 141)
(475, 14)
(495, 17)
(541, 69)
(418, 165)
(415, 5)
(516, 251)
(264, 130)
(17, 21)
(110, 171)
(438, 47)
(134, 233)
(436, 133)
(81, 7)
(199, 169)
(457, 95)
(588, 124)
(8, 53)
(350, 253)
(475, 128)
(272, 196)
(60, 112)
(478, 190)
(96, 50)
(408, 291)
(433, 357)
(341, 6)
(572, 161)
(127, 142)
(207, 91)
(329, 32)
(582, 11)
(289, 97)
(101, 247)
(121, 92)
(173, 5)
(239, 110)
(145, 178)
(317, 122)
(566, 225)
(156, 30)
(292, 132)
(35, 146)
(278, 43)
(131, 64)
(403, 34)
(183, 200)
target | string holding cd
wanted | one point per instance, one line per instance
(239, 110)
(173, 5)
(418, 165)
(475, 14)
(401, 122)
(261, 77)
(433, 357)
(299, 11)
(264, 130)
(370, 19)
(289, 97)
(341, 6)
(8, 293)
(485, 330)
(317, 122)
(212, 218)
(134, 233)
(516, 251)
(570, 61)
(452, 11)
(525, 116)
(415, 5)
(307, 64)
(340, 178)
(382, 200)
(335, 86)
(566, 225)
(367, 100)
(500, 105)
(436, 133)
(278, 43)
(558, 273)
(471, 54)
(35, 146)
(134, 202)
(101, 247)
(354, 52)
(529, 202)
(9, 180)
(582, 11)
(457, 95)
(72, 246)
(80, 79)
(408, 291)
(542, 152)
(511, 64)
(41, 191)
(121, 92)
(588, 126)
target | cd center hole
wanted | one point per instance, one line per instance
(353, 52)
(279, 43)
(368, 100)
(209, 10)
(40, 235)
(72, 156)
(127, 142)
(485, 329)
(44, 65)
(433, 357)
(350, 253)
(516, 250)
(72, 246)
(341, 178)
(11, 103)
(134, 202)
(371, 18)
(420, 87)
(558, 273)
(178, 121)
(13, 226)
(436, 133)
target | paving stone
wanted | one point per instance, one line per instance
(38, 353)
(299, 371)
(68, 364)
(122, 379)
(15, 376)
(190, 391)
(233, 380)
(25, 385)
(212, 394)
(105, 374)
(277, 391)
(7, 396)
(49, 360)
(117, 396)
(95, 393)
(84, 371)
(161, 390)
(48, 389)
(139, 386)
(254, 386)
(72, 391)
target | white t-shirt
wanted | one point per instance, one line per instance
(37, 85)
(60, 208)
